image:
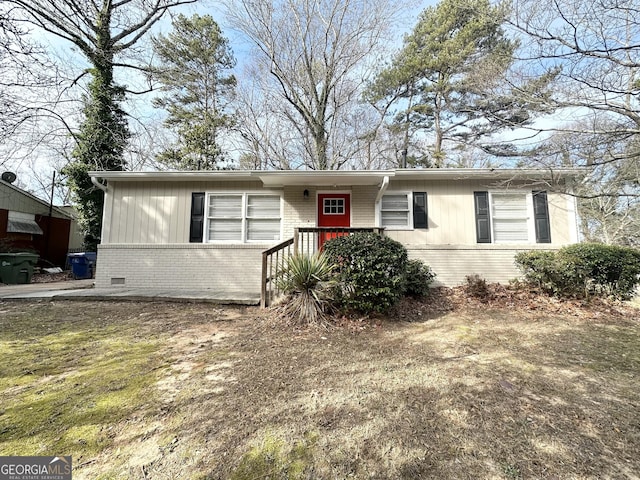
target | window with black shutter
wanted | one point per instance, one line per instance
(483, 222)
(541, 217)
(196, 229)
(420, 217)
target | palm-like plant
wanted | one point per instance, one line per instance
(307, 282)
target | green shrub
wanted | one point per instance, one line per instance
(418, 278)
(307, 282)
(583, 269)
(371, 271)
(542, 269)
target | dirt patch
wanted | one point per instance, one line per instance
(446, 387)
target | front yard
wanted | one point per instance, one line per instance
(196, 391)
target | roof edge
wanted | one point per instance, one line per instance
(274, 177)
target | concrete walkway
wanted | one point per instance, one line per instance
(85, 290)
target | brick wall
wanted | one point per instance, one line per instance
(453, 263)
(230, 270)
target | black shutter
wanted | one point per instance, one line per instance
(483, 223)
(196, 229)
(541, 217)
(420, 217)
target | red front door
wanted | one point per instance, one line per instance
(334, 210)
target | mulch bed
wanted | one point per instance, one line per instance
(442, 300)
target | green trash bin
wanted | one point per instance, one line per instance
(17, 267)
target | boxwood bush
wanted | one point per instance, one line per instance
(419, 277)
(583, 269)
(371, 271)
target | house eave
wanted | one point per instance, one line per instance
(325, 178)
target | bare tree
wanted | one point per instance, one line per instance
(106, 33)
(595, 48)
(316, 53)
(26, 76)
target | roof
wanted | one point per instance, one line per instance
(58, 210)
(280, 178)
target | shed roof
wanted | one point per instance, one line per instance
(58, 210)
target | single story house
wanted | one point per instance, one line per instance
(207, 230)
(29, 223)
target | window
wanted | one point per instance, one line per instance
(404, 210)
(508, 217)
(333, 206)
(395, 211)
(243, 217)
(509, 212)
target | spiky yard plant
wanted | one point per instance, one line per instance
(307, 282)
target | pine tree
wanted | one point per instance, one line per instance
(449, 78)
(194, 59)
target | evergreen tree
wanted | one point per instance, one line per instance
(102, 31)
(194, 59)
(100, 145)
(449, 78)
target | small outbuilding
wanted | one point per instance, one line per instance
(28, 223)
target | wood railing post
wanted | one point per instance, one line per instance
(263, 290)
(296, 234)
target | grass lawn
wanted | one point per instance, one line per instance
(165, 391)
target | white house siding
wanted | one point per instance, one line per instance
(156, 212)
(146, 233)
(145, 242)
(452, 263)
(301, 212)
(18, 201)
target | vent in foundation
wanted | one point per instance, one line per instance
(117, 281)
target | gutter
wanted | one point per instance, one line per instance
(101, 186)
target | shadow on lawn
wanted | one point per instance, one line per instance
(445, 399)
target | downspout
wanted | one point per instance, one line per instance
(383, 189)
(101, 186)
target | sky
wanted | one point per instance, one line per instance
(35, 167)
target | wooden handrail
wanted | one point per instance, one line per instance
(271, 271)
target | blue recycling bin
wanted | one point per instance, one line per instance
(82, 264)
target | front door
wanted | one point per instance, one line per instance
(334, 211)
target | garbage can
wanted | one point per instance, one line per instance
(17, 267)
(82, 264)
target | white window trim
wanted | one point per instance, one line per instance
(343, 206)
(245, 195)
(409, 225)
(531, 227)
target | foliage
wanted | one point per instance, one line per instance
(307, 282)
(100, 145)
(194, 58)
(595, 50)
(418, 278)
(103, 32)
(450, 77)
(371, 271)
(477, 287)
(583, 269)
